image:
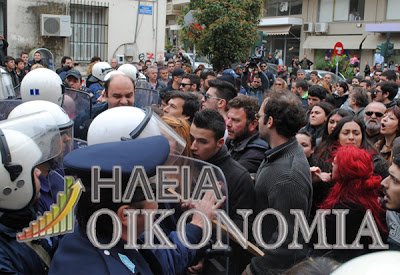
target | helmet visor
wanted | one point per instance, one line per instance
(6, 86)
(75, 102)
(41, 128)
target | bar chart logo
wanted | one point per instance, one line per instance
(60, 219)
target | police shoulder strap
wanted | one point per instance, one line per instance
(41, 252)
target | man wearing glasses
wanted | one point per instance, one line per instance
(377, 76)
(270, 76)
(372, 119)
(190, 83)
(218, 96)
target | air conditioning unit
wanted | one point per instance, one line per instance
(321, 27)
(308, 27)
(55, 25)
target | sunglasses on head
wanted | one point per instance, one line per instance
(378, 114)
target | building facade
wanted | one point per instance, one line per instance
(312, 27)
(130, 29)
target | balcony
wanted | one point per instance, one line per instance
(180, 3)
(172, 10)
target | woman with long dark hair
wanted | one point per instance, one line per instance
(318, 116)
(355, 189)
(349, 131)
(390, 129)
(332, 120)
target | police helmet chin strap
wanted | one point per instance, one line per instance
(139, 129)
(13, 169)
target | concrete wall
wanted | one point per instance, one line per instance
(150, 38)
(23, 26)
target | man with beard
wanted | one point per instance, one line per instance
(372, 119)
(244, 143)
(391, 201)
(283, 181)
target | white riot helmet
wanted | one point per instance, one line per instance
(130, 70)
(125, 122)
(110, 74)
(383, 262)
(62, 120)
(42, 84)
(24, 143)
(99, 71)
(6, 86)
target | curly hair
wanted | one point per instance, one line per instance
(355, 182)
(287, 111)
(248, 103)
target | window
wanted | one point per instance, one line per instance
(282, 8)
(392, 10)
(89, 31)
(341, 10)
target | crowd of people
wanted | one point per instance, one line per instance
(281, 144)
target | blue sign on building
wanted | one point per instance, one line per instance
(145, 10)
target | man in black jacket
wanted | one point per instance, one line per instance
(283, 181)
(207, 133)
(244, 143)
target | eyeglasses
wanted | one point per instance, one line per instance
(207, 96)
(185, 84)
(378, 114)
(278, 84)
(263, 66)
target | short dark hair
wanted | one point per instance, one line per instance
(248, 103)
(170, 62)
(287, 111)
(24, 53)
(389, 87)
(191, 105)
(369, 82)
(301, 83)
(210, 119)
(18, 60)
(317, 91)
(107, 83)
(194, 79)
(64, 59)
(8, 58)
(225, 90)
(315, 72)
(206, 72)
(390, 75)
(360, 96)
(95, 58)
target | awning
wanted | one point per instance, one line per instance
(173, 27)
(275, 30)
(350, 42)
(372, 39)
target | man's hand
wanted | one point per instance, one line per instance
(196, 269)
(206, 205)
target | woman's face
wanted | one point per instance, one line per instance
(305, 141)
(389, 124)
(333, 121)
(317, 116)
(350, 134)
(340, 90)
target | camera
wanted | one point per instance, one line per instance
(254, 61)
